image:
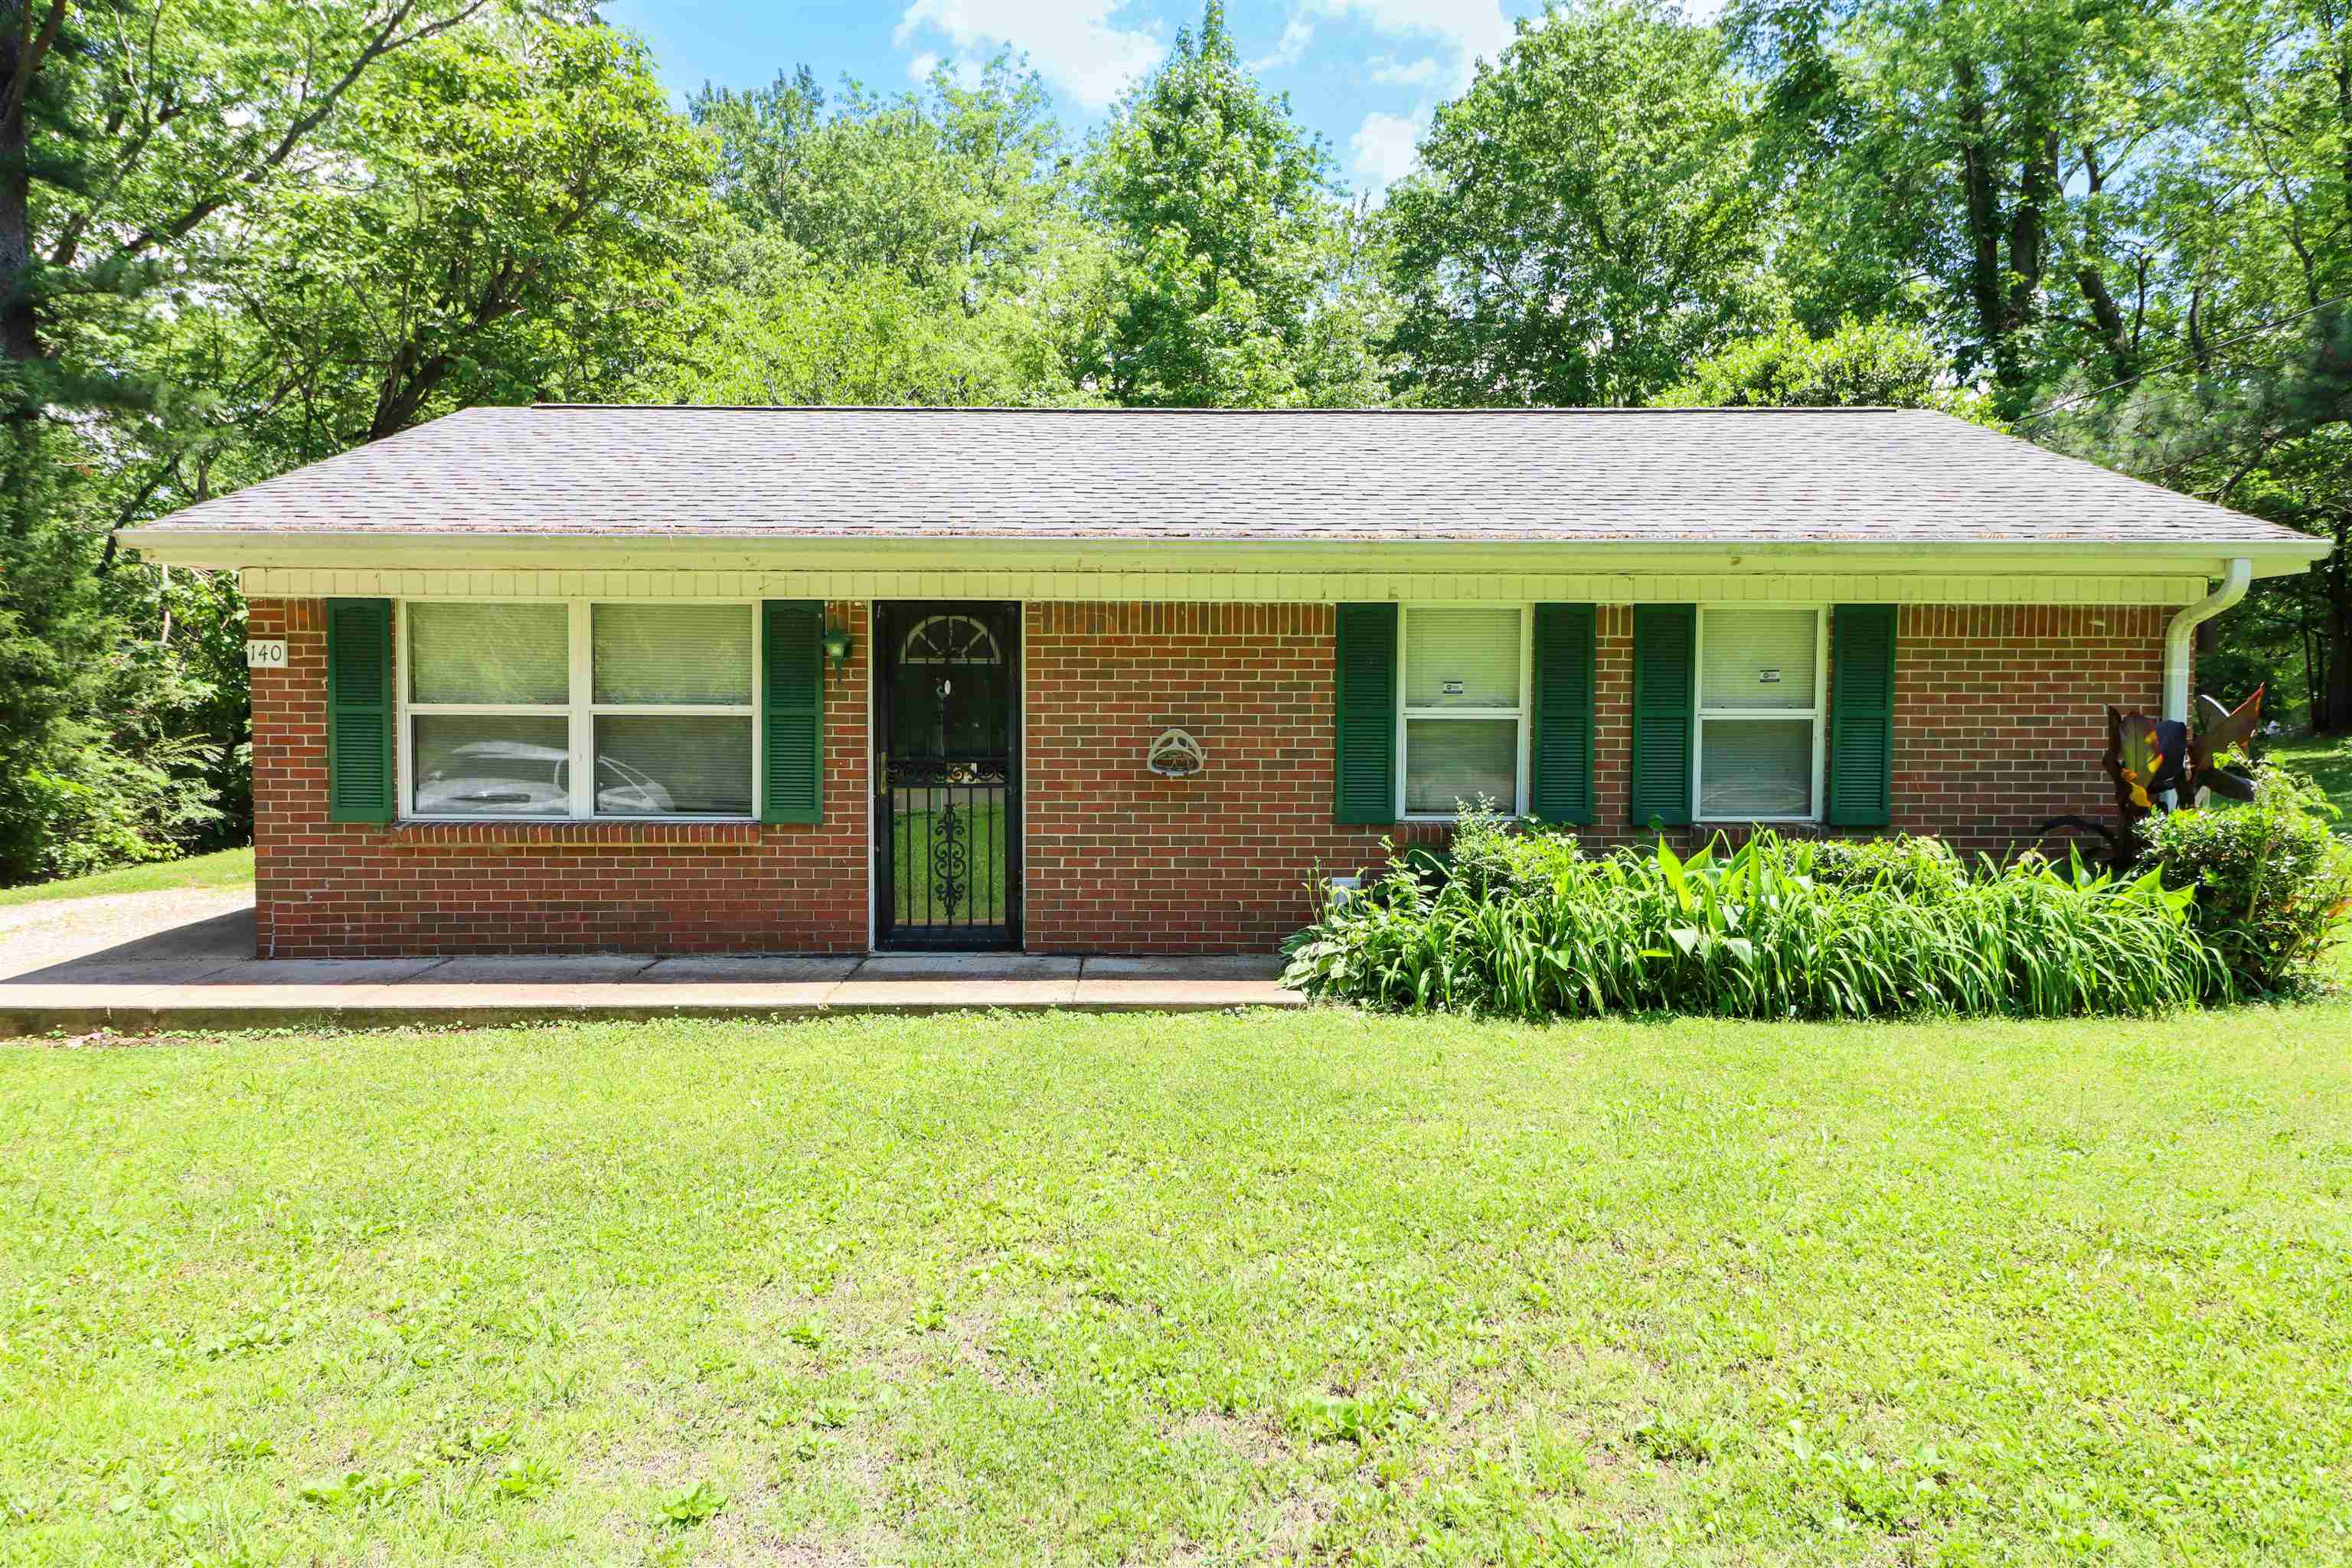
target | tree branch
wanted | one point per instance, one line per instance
(385, 41)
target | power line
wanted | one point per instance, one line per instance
(2176, 365)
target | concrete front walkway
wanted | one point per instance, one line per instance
(178, 967)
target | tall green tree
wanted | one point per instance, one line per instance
(916, 248)
(129, 130)
(1589, 220)
(1873, 365)
(1231, 275)
(510, 212)
(1996, 153)
(952, 186)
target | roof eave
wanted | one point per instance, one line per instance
(381, 549)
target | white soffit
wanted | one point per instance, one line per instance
(1232, 587)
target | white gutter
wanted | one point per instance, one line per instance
(2182, 632)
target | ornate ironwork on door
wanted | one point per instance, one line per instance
(947, 798)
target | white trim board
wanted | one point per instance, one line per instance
(1234, 587)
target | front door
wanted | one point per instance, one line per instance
(947, 809)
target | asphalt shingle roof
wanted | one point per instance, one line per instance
(1570, 475)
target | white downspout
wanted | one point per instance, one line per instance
(2179, 636)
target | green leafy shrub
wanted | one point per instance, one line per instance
(2273, 880)
(102, 808)
(1490, 857)
(1907, 863)
(1755, 933)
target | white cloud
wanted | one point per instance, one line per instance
(1073, 43)
(1472, 29)
(1388, 72)
(1296, 36)
(920, 67)
(1382, 150)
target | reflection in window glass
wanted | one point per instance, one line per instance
(1450, 762)
(489, 653)
(652, 765)
(688, 654)
(469, 764)
(1755, 768)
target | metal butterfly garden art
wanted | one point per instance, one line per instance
(2156, 763)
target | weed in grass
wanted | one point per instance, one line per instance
(699, 1504)
(525, 1480)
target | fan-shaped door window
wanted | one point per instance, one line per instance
(950, 639)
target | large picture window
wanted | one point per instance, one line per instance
(1462, 715)
(1760, 685)
(574, 709)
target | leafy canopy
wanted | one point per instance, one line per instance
(1230, 277)
(1589, 220)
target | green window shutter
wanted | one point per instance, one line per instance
(1666, 716)
(1364, 781)
(360, 776)
(1561, 747)
(1862, 715)
(791, 713)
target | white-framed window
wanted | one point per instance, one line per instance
(1462, 707)
(1763, 677)
(573, 709)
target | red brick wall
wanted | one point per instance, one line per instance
(2000, 717)
(1121, 859)
(2000, 727)
(345, 890)
(2001, 712)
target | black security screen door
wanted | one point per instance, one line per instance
(946, 817)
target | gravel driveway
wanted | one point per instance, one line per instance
(184, 927)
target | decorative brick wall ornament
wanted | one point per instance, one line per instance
(1176, 755)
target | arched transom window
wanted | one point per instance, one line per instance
(950, 639)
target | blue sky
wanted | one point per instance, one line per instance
(1364, 73)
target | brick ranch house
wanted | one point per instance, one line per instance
(822, 681)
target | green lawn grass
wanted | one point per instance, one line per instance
(1230, 1288)
(916, 890)
(227, 868)
(2328, 762)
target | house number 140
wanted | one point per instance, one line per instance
(265, 656)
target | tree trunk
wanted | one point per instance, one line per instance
(2334, 714)
(19, 330)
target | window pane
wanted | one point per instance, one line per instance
(475, 764)
(489, 653)
(647, 766)
(673, 653)
(1756, 767)
(1462, 658)
(1449, 761)
(1757, 659)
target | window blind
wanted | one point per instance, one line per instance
(1761, 659)
(489, 653)
(1755, 767)
(1453, 761)
(673, 654)
(494, 764)
(1476, 651)
(650, 765)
